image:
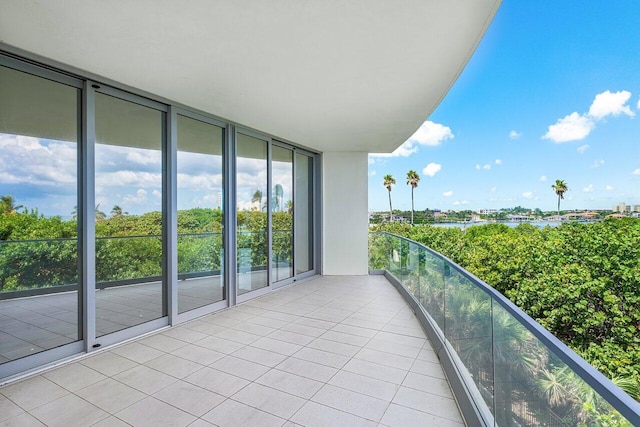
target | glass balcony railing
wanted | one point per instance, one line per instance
(509, 370)
(45, 266)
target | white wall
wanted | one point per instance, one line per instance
(345, 213)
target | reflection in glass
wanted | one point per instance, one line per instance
(468, 328)
(200, 217)
(281, 213)
(251, 201)
(304, 214)
(38, 234)
(128, 175)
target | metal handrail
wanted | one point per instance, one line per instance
(617, 398)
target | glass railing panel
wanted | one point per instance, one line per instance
(38, 296)
(411, 271)
(200, 278)
(514, 378)
(252, 260)
(534, 387)
(281, 253)
(432, 286)
(468, 329)
(395, 257)
(27, 266)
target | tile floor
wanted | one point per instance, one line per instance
(331, 351)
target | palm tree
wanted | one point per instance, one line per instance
(290, 207)
(388, 182)
(257, 198)
(117, 211)
(560, 187)
(412, 179)
(99, 214)
(278, 196)
(8, 204)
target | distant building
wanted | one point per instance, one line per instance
(620, 208)
(487, 211)
(519, 218)
(624, 208)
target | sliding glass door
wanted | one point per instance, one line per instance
(281, 213)
(39, 283)
(251, 213)
(275, 222)
(304, 218)
(120, 215)
(129, 219)
(200, 183)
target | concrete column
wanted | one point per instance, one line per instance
(345, 213)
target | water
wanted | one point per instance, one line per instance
(463, 225)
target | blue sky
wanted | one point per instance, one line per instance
(552, 92)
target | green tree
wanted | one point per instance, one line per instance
(412, 179)
(257, 198)
(117, 211)
(8, 205)
(388, 182)
(560, 187)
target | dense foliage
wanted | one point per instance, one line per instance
(580, 281)
(38, 251)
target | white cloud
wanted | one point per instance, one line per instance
(573, 127)
(582, 148)
(139, 198)
(493, 189)
(610, 104)
(636, 172)
(371, 160)
(588, 188)
(448, 193)
(431, 169)
(478, 167)
(431, 134)
(597, 164)
(543, 178)
(460, 202)
(609, 188)
(528, 194)
(498, 161)
(514, 134)
(29, 161)
(486, 167)
(372, 173)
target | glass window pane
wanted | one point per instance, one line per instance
(38, 227)
(304, 213)
(128, 211)
(281, 213)
(251, 201)
(200, 217)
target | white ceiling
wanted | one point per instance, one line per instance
(358, 75)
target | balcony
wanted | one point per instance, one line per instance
(504, 368)
(341, 350)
